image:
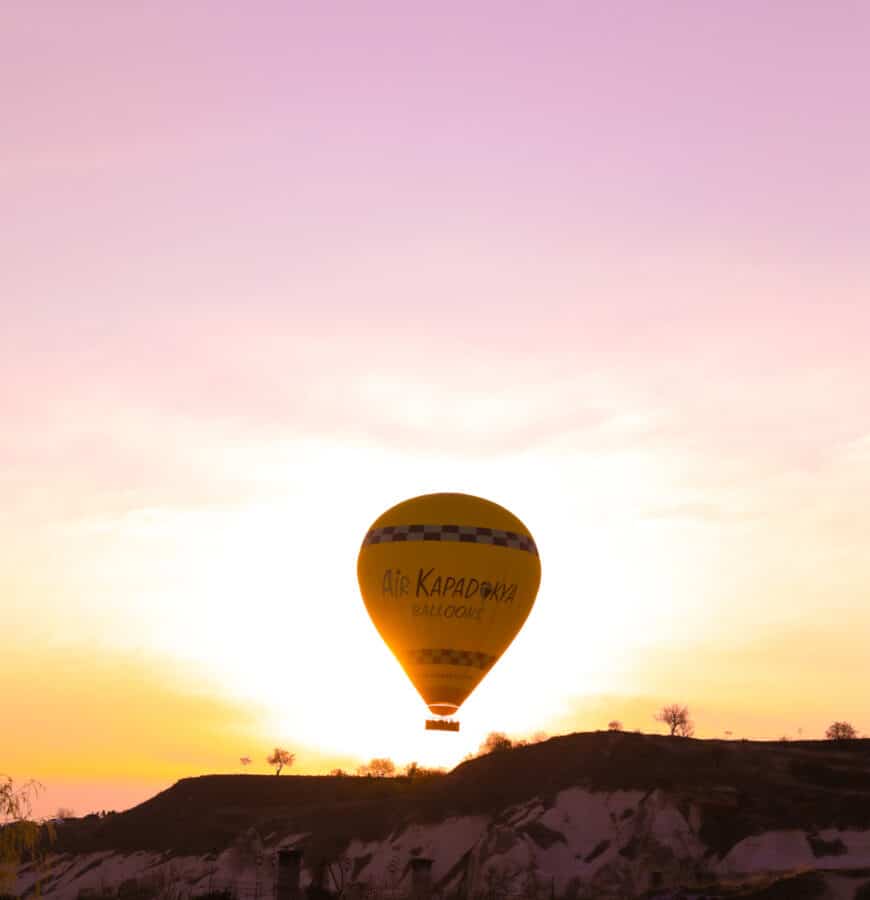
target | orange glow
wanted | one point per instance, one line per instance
(592, 270)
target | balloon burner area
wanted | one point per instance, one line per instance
(442, 725)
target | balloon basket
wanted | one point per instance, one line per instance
(442, 725)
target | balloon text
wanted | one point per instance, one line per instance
(430, 583)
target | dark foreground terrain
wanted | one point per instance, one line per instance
(742, 788)
(728, 790)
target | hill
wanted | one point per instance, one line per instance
(743, 787)
(606, 814)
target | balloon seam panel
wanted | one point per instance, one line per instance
(464, 534)
(443, 656)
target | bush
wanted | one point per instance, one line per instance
(841, 731)
(495, 742)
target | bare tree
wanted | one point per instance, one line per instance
(64, 812)
(841, 731)
(16, 803)
(382, 767)
(677, 719)
(686, 729)
(20, 836)
(614, 725)
(280, 758)
(495, 741)
(379, 767)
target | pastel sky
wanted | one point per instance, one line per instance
(267, 269)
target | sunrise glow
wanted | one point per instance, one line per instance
(266, 273)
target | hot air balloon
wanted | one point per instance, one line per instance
(448, 580)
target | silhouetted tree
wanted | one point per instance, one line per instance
(280, 758)
(19, 835)
(841, 731)
(245, 760)
(16, 802)
(677, 719)
(380, 767)
(337, 773)
(535, 738)
(614, 725)
(495, 741)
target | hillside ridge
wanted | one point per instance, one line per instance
(740, 787)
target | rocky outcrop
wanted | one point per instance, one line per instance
(578, 844)
(586, 816)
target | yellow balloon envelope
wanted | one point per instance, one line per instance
(448, 580)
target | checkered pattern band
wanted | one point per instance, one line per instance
(445, 657)
(462, 534)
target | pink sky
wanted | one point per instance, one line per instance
(606, 263)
